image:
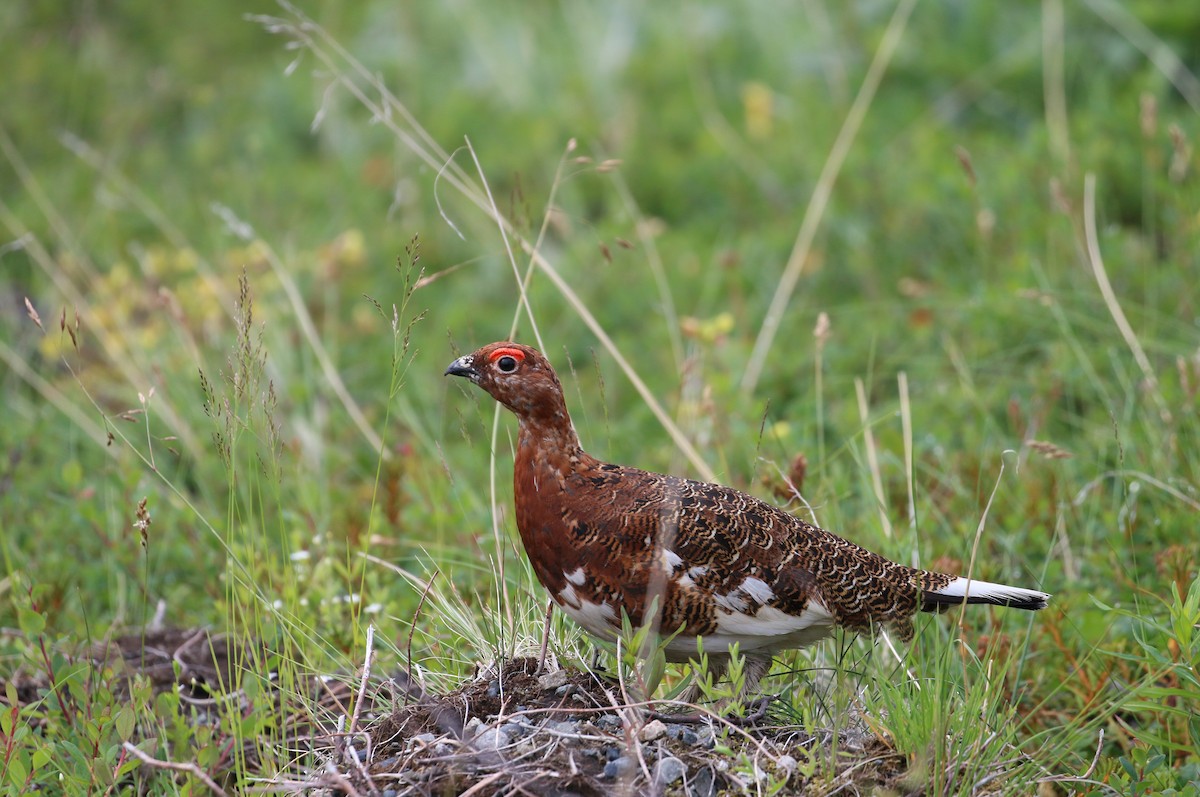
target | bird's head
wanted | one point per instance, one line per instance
(517, 376)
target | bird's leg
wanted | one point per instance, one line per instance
(716, 668)
(756, 666)
(545, 637)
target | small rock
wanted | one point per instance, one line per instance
(612, 753)
(654, 729)
(472, 727)
(788, 764)
(617, 767)
(609, 722)
(565, 727)
(689, 737)
(552, 680)
(424, 738)
(516, 730)
(667, 771)
(702, 784)
(491, 739)
(493, 689)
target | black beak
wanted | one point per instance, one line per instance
(461, 367)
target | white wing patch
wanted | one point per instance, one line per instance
(768, 630)
(596, 618)
(732, 602)
(758, 590)
(577, 577)
(671, 560)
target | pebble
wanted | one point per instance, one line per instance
(788, 764)
(609, 722)
(612, 753)
(617, 767)
(565, 727)
(491, 739)
(654, 729)
(424, 738)
(667, 771)
(516, 730)
(493, 689)
(552, 680)
(702, 784)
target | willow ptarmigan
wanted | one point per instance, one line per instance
(606, 539)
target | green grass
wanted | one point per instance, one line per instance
(208, 238)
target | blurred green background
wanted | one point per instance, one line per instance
(153, 152)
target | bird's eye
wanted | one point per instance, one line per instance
(507, 364)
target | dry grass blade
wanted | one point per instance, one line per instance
(872, 458)
(384, 109)
(1096, 261)
(1155, 49)
(822, 192)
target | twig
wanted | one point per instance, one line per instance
(545, 637)
(413, 626)
(190, 768)
(340, 780)
(483, 784)
(701, 717)
(1085, 775)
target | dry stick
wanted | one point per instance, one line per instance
(545, 637)
(483, 784)
(1110, 298)
(340, 780)
(1085, 775)
(872, 457)
(189, 768)
(413, 626)
(822, 192)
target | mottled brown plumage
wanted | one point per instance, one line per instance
(605, 539)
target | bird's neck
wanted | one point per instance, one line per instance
(553, 436)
